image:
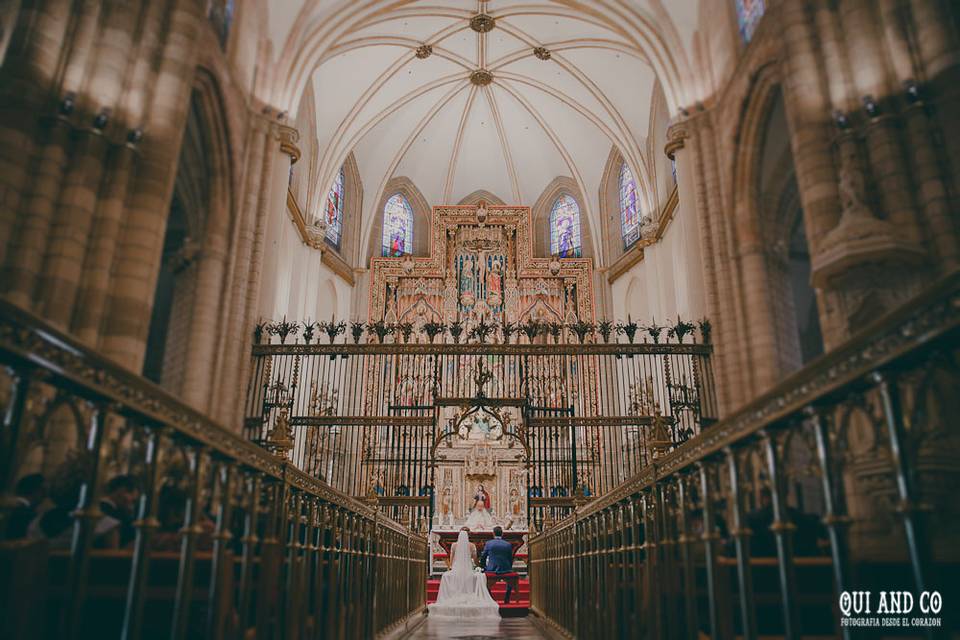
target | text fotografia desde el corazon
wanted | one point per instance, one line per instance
(890, 609)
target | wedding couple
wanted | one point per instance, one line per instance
(463, 589)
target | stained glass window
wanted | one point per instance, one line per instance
(629, 207)
(749, 13)
(565, 228)
(220, 14)
(334, 211)
(397, 226)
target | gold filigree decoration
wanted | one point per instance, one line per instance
(424, 51)
(482, 23)
(542, 53)
(481, 77)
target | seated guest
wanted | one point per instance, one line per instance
(497, 557)
(808, 529)
(115, 529)
(56, 523)
(171, 513)
(29, 494)
(171, 510)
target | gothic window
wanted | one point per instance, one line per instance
(334, 211)
(629, 207)
(220, 13)
(749, 13)
(397, 226)
(565, 228)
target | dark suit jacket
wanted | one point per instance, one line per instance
(497, 556)
(18, 520)
(127, 531)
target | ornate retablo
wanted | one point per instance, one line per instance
(480, 267)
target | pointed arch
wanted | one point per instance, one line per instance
(474, 198)
(397, 236)
(421, 217)
(541, 217)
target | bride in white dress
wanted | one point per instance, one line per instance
(463, 591)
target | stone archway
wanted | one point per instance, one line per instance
(182, 343)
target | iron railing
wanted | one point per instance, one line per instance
(826, 484)
(230, 540)
(368, 418)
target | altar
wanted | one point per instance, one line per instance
(517, 539)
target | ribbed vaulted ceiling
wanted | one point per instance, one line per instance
(451, 130)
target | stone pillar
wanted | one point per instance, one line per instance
(137, 261)
(696, 135)
(278, 156)
(939, 55)
(691, 293)
(95, 279)
(27, 79)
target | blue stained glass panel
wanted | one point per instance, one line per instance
(629, 207)
(749, 13)
(565, 228)
(334, 211)
(397, 226)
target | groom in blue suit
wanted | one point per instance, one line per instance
(497, 557)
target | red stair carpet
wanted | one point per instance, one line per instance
(518, 606)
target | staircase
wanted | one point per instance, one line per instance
(518, 606)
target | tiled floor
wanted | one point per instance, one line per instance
(444, 628)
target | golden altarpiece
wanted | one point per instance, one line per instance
(480, 271)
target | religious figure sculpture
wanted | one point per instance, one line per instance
(480, 517)
(467, 280)
(515, 505)
(446, 506)
(495, 284)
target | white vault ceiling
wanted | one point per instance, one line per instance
(424, 118)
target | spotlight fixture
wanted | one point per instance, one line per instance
(101, 120)
(870, 106)
(134, 136)
(840, 119)
(913, 91)
(68, 103)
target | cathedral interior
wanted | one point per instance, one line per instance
(664, 293)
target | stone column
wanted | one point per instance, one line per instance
(697, 134)
(95, 279)
(137, 260)
(28, 78)
(236, 339)
(277, 159)
(939, 54)
(691, 294)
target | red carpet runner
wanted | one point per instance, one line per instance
(519, 599)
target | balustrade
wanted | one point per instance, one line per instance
(369, 418)
(827, 483)
(230, 540)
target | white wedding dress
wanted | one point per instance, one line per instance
(463, 591)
